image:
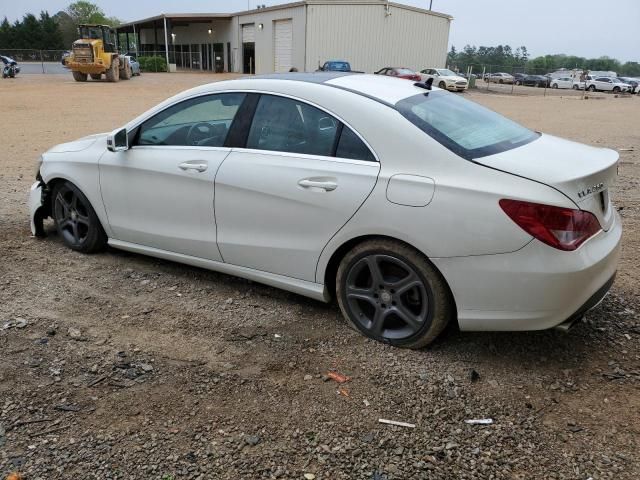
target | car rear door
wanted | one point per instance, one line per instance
(299, 178)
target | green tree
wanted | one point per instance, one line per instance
(452, 57)
(78, 13)
(86, 12)
(631, 69)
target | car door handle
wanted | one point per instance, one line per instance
(194, 165)
(326, 185)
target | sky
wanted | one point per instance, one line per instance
(587, 28)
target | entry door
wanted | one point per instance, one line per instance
(218, 57)
(283, 45)
(279, 201)
(248, 48)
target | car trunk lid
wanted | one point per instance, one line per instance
(582, 173)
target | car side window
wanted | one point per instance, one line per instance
(203, 121)
(286, 125)
(350, 146)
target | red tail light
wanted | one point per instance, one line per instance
(561, 228)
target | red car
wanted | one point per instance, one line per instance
(400, 72)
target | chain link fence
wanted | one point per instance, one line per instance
(50, 61)
(37, 61)
(523, 80)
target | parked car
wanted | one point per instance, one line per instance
(562, 82)
(411, 210)
(500, 77)
(399, 72)
(606, 84)
(632, 82)
(135, 65)
(65, 55)
(580, 84)
(533, 81)
(445, 78)
(335, 66)
(518, 76)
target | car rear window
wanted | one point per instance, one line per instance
(464, 127)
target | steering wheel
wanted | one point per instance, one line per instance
(198, 132)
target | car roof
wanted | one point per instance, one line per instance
(378, 87)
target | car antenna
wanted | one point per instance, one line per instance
(426, 85)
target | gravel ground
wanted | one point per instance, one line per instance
(119, 366)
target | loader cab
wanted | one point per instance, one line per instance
(99, 32)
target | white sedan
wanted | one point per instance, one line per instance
(562, 82)
(444, 78)
(411, 206)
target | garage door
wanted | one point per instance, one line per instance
(248, 33)
(283, 45)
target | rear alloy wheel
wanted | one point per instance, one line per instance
(79, 76)
(592, 88)
(393, 294)
(442, 85)
(76, 221)
(555, 85)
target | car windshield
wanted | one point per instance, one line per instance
(462, 126)
(445, 72)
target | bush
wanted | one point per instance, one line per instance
(152, 64)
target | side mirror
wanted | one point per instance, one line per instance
(118, 141)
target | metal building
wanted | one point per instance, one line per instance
(370, 34)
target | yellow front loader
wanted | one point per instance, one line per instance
(96, 54)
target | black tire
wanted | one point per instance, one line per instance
(76, 220)
(576, 87)
(501, 81)
(592, 88)
(113, 74)
(555, 85)
(125, 72)
(96, 76)
(79, 76)
(442, 85)
(412, 289)
(616, 89)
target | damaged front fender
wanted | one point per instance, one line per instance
(37, 208)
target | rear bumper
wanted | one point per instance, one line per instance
(536, 287)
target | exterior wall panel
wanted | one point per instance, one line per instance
(370, 39)
(265, 54)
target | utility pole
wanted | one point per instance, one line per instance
(430, 4)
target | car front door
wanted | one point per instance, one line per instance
(301, 177)
(160, 192)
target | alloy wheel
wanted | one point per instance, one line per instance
(71, 216)
(387, 297)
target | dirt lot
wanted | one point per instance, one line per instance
(118, 366)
